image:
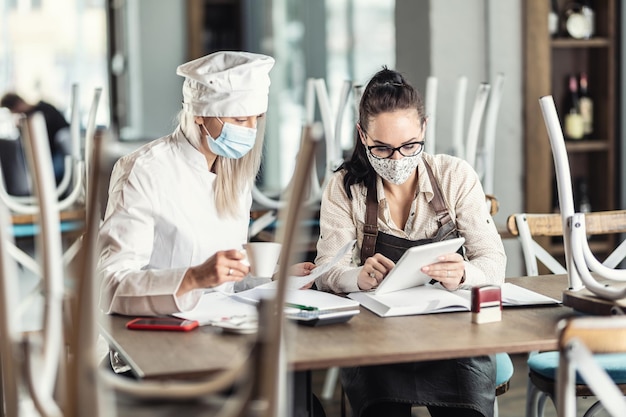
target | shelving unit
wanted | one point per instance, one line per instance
(547, 64)
(214, 25)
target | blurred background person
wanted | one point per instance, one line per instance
(56, 125)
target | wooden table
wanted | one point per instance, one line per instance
(27, 225)
(366, 339)
(66, 215)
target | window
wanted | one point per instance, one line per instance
(48, 45)
(335, 40)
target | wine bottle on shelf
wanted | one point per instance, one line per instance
(574, 129)
(553, 19)
(585, 104)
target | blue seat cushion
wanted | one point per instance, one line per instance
(546, 364)
(32, 229)
(504, 368)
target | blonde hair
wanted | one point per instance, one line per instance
(233, 175)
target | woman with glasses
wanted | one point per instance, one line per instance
(391, 196)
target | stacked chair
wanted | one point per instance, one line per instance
(316, 93)
(580, 261)
(543, 365)
(546, 367)
(69, 193)
(33, 362)
(477, 150)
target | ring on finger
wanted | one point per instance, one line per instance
(230, 271)
(372, 274)
(448, 273)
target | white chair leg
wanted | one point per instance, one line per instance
(532, 400)
(495, 407)
(431, 111)
(458, 145)
(541, 404)
(330, 382)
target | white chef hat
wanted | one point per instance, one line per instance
(226, 84)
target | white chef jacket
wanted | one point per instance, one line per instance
(161, 219)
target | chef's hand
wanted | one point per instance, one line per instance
(223, 266)
(373, 271)
(449, 270)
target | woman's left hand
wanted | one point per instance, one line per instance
(449, 270)
(301, 269)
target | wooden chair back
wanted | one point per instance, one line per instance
(528, 226)
(579, 338)
(598, 223)
(492, 204)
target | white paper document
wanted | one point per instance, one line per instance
(297, 282)
(320, 300)
(514, 295)
(221, 310)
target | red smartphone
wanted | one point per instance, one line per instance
(162, 323)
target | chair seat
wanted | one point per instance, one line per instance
(504, 372)
(32, 229)
(504, 368)
(547, 363)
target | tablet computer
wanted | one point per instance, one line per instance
(407, 272)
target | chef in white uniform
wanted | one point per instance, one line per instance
(179, 207)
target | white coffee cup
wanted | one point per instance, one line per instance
(263, 257)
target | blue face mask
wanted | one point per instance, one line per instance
(234, 141)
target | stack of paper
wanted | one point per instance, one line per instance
(237, 312)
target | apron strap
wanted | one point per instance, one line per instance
(443, 216)
(370, 228)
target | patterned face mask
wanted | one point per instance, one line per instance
(396, 171)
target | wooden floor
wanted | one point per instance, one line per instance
(510, 404)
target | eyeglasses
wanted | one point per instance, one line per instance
(386, 152)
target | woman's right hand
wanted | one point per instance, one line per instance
(223, 266)
(373, 271)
